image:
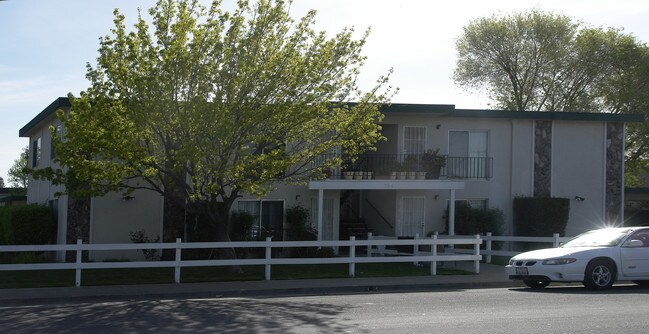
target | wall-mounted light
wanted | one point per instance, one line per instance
(436, 197)
(438, 126)
(579, 199)
(127, 198)
(298, 197)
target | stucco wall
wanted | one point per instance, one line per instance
(578, 169)
(113, 218)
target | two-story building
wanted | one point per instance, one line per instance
(491, 157)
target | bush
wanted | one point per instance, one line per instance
(27, 225)
(139, 237)
(240, 226)
(297, 219)
(540, 216)
(470, 221)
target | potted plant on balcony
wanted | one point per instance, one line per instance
(411, 164)
(433, 163)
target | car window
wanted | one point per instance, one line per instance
(642, 235)
(598, 238)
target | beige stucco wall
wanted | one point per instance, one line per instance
(577, 171)
(113, 218)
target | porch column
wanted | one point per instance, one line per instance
(451, 214)
(320, 212)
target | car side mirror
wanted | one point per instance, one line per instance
(634, 243)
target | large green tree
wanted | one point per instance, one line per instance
(19, 172)
(205, 105)
(538, 61)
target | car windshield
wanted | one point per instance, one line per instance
(598, 238)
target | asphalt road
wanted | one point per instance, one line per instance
(563, 309)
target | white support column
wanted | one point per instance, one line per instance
(451, 214)
(320, 212)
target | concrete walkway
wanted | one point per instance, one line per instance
(489, 276)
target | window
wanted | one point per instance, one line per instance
(467, 153)
(412, 217)
(414, 139)
(36, 152)
(269, 217)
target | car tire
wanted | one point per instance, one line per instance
(644, 284)
(599, 275)
(536, 284)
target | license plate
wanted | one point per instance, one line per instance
(521, 271)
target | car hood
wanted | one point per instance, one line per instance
(553, 253)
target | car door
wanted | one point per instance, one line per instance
(635, 260)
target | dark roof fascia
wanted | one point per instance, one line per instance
(61, 102)
(450, 111)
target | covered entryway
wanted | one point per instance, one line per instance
(388, 185)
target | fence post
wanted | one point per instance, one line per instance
(77, 272)
(352, 256)
(269, 252)
(415, 249)
(433, 248)
(476, 251)
(488, 248)
(555, 242)
(178, 259)
(369, 247)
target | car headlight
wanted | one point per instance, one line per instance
(559, 261)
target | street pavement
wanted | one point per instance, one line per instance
(489, 276)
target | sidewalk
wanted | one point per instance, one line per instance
(489, 276)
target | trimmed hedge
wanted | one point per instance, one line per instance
(27, 225)
(540, 216)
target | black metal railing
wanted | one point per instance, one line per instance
(416, 166)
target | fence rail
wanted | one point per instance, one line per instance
(375, 245)
(351, 258)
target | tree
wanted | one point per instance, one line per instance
(2, 182)
(216, 104)
(19, 172)
(538, 61)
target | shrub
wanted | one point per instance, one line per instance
(27, 225)
(540, 216)
(240, 226)
(470, 221)
(139, 237)
(297, 219)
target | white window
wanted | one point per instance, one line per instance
(467, 153)
(412, 217)
(414, 139)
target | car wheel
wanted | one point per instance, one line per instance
(599, 275)
(644, 284)
(536, 284)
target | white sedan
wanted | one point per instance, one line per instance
(597, 258)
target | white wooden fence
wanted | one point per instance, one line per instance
(555, 240)
(375, 245)
(350, 258)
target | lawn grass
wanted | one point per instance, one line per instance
(125, 276)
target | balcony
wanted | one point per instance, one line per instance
(415, 166)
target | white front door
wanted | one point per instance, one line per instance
(412, 217)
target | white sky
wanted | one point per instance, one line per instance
(45, 45)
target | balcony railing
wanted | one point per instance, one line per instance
(415, 166)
